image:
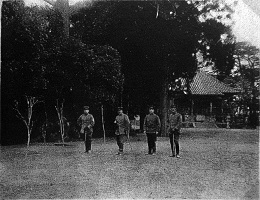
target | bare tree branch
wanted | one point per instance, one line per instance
(31, 127)
(157, 12)
(31, 101)
(20, 116)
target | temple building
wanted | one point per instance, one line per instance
(205, 103)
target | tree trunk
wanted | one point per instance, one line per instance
(46, 125)
(253, 107)
(62, 124)
(29, 131)
(164, 108)
(63, 7)
(44, 140)
(164, 99)
(62, 130)
(103, 123)
(59, 110)
(28, 141)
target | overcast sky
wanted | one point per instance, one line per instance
(246, 17)
(247, 21)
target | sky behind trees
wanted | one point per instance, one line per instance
(247, 21)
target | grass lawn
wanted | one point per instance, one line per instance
(214, 164)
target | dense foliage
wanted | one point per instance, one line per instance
(118, 53)
(245, 76)
(158, 43)
(37, 61)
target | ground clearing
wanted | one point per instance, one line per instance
(215, 164)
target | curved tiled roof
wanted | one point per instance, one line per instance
(205, 84)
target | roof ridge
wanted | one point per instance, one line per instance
(205, 84)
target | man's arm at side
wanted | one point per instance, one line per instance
(179, 122)
(144, 126)
(79, 120)
(92, 123)
(158, 124)
(127, 122)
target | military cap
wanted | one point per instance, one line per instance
(173, 107)
(119, 108)
(86, 107)
(151, 107)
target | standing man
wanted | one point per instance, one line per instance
(123, 125)
(152, 126)
(86, 121)
(175, 122)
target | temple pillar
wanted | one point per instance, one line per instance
(210, 109)
(192, 107)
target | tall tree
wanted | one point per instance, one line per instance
(23, 39)
(62, 6)
(218, 47)
(247, 67)
(36, 61)
(91, 72)
(154, 39)
(65, 11)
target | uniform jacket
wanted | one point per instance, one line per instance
(86, 122)
(152, 123)
(175, 121)
(123, 124)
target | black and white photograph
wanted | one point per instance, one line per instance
(130, 99)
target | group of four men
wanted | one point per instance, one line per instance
(151, 128)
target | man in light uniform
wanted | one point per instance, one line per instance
(175, 122)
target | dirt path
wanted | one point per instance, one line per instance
(215, 164)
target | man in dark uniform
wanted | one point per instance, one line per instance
(86, 121)
(151, 127)
(123, 125)
(175, 122)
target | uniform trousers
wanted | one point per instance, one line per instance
(120, 139)
(151, 139)
(174, 137)
(88, 139)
